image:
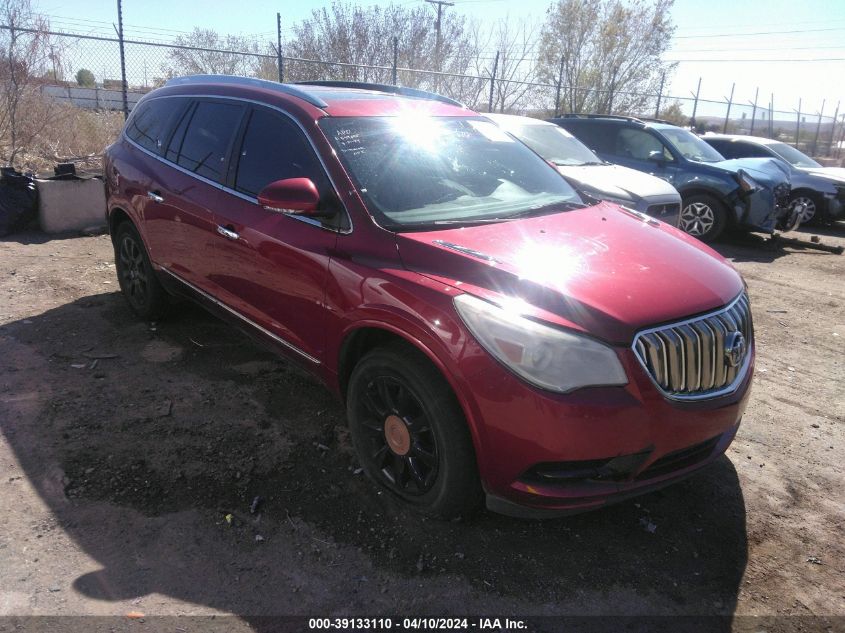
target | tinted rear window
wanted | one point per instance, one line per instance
(152, 121)
(208, 137)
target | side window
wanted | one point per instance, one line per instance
(639, 144)
(725, 148)
(208, 137)
(179, 135)
(150, 124)
(751, 150)
(274, 148)
(598, 137)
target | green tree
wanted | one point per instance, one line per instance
(606, 47)
(85, 78)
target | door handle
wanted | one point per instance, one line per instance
(155, 196)
(227, 233)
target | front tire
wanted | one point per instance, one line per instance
(812, 213)
(142, 290)
(704, 217)
(410, 433)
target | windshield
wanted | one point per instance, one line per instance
(419, 171)
(552, 143)
(690, 146)
(792, 155)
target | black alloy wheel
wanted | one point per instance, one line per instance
(410, 433)
(138, 282)
(402, 444)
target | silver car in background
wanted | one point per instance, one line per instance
(591, 175)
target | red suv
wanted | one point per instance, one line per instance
(490, 333)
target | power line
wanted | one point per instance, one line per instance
(741, 50)
(722, 27)
(817, 59)
(689, 37)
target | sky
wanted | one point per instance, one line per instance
(794, 50)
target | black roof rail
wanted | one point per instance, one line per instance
(397, 90)
(233, 80)
(654, 120)
(619, 117)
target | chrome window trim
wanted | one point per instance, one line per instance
(234, 192)
(726, 390)
(249, 321)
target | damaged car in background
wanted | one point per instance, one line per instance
(589, 174)
(717, 194)
(818, 190)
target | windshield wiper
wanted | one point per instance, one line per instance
(549, 208)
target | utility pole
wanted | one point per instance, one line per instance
(440, 4)
(493, 82)
(559, 85)
(123, 85)
(279, 59)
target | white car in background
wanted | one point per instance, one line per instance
(589, 174)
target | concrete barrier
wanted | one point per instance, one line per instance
(71, 205)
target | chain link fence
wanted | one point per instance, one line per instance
(150, 63)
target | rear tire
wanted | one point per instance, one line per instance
(703, 216)
(410, 432)
(139, 284)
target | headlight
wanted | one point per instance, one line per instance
(747, 183)
(542, 355)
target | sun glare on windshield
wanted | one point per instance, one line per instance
(423, 132)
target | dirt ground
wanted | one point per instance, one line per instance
(125, 445)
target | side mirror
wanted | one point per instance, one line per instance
(656, 156)
(296, 196)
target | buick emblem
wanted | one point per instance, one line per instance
(735, 348)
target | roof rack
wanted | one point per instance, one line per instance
(620, 117)
(578, 115)
(654, 120)
(397, 90)
(234, 80)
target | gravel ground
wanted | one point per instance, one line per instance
(131, 455)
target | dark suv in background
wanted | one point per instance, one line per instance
(715, 193)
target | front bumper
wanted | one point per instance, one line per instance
(835, 208)
(762, 210)
(651, 441)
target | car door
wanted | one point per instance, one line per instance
(199, 148)
(148, 130)
(271, 267)
(641, 149)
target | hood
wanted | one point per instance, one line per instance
(768, 171)
(602, 269)
(618, 182)
(835, 174)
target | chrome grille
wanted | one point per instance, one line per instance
(691, 359)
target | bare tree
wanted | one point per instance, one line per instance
(361, 40)
(514, 41)
(26, 56)
(605, 50)
(209, 53)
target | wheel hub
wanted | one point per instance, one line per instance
(397, 435)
